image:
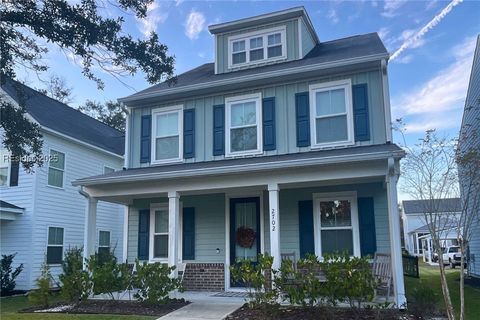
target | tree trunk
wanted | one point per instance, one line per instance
(445, 290)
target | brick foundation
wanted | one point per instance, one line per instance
(204, 277)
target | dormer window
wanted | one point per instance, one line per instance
(257, 47)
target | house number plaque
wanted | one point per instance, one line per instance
(273, 219)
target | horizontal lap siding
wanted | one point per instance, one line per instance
(285, 124)
(66, 207)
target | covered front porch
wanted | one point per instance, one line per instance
(193, 222)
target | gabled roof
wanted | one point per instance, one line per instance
(61, 118)
(441, 205)
(335, 53)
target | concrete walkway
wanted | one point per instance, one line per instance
(204, 306)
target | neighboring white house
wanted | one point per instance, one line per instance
(416, 230)
(41, 213)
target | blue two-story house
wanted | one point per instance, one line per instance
(283, 145)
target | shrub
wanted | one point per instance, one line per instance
(7, 274)
(76, 283)
(257, 278)
(41, 295)
(154, 282)
(423, 301)
(107, 276)
(348, 279)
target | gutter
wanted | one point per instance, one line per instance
(252, 167)
(252, 77)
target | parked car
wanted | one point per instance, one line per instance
(452, 256)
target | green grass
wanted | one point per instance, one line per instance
(430, 276)
(9, 307)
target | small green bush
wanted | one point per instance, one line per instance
(41, 296)
(423, 301)
(154, 282)
(107, 276)
(7, 276)
(76, 283)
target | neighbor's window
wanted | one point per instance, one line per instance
(256, 47)
(103, 242)
(56, 169)
(243, 125)
(331, 110)
(167, 138)
(55, 245)
(4, 166)
(160, 233)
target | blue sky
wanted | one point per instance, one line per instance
(428, 77)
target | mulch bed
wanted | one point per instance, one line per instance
(317, 313)
(119, 307)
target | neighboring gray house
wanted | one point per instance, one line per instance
(469, 175)
(41, 213)
(283, 135)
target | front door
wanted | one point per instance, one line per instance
(244, 231)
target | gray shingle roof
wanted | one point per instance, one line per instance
(8, 205)
(324, 52)
(61, 118)
(440, 205)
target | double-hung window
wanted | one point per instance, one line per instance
(167, 142)
(4, 167)
(55, 245)
(257, 47)
(336, 218)
(56, 169)
(331, 114)
(103, 242)
(244, 132)
(159, 231)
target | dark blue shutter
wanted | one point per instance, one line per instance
(302, 109)
(145, 138)
(366, 216)
(143, 233)
(305, 226)
(268, 115)
(14, 170)
(360, 112)
(189, 133)
(188, 238)
(219, 130)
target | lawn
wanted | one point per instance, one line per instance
(430, 276)
(10, 305)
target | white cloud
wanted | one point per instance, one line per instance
(383, 33)
(391, 7)
(332, 15)
(406, 59)
(155, 16)
(201, 55)
(178, 2)
(436, 103)
(415, 38)
(194, 24)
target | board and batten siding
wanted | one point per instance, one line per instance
(210, 219)
(65, 207)
(307, 41)
(285, 120)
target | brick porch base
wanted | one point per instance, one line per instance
(204, 277)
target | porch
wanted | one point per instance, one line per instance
(192, 221)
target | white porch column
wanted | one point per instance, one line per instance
(90, 231)
(173, 229)
(126, 214)
(395, 242)
(429, 248)
(274, 226)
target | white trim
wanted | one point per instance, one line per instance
(350, 196)
(64, 171)
(386, 101)
(255, 34)
(215, 54)
(257, 98)
(9, 167)
(154, 207)
(158, 111)
(300, 47)
(55, 245)
(346, 85)
(126, 157)
(235, 195)
(126, 214)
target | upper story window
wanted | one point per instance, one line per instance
(167, 142)
(244, 133)
(56, 169)
(257, 47)
(331, 114)
(4, 166)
